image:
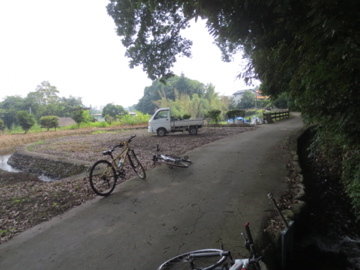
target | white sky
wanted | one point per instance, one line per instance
(73, 45)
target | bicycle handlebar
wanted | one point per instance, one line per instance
(220, 253)
(121, 144)
(131, 137)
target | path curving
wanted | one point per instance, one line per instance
(146, 222)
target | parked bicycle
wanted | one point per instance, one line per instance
(171, 160)
(216, 259)
(104, 174)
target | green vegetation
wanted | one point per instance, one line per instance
(305, 51)
(99, 132)
(183, 95)
(50, 121)
(78, 115)
(2, 125)
(213, 115)
(29, 147)
(235, 113)
(115, 111)
(25, 120)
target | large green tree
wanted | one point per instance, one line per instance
(113, 110)
(49, 121)
(44, 99)
(176, 85)
(247, 100)
(42, 102)
(25, 120)
(9, 107)
(65, 105)
(79, 115)
(307, 49)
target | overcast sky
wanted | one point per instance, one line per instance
(73, 45)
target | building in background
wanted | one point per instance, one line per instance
(239, 94)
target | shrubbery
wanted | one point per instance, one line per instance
(49, 121)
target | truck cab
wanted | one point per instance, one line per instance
(160, 122)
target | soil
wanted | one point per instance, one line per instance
(26, 200)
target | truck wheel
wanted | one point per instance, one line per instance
(161, 132)
(192, 130)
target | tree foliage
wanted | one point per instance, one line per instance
(214, 115)
(174, 86)
(113, 110)
(183, 96)
(247, 101)
(235, 113)
(307, 49)
(49, 121)
(9, 107)
(138, 118)
(43, 101)
(2, 125)
(25, 120)
(79, 115)
(149, 30)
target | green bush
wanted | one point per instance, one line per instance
(49, 121)
(214, 115)
(2, 125)
(25, 120)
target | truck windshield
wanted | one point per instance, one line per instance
(162, 114)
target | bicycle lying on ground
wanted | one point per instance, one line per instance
(215, 259)
(104, 174)
(171, 160)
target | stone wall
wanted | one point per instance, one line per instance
(48, 165)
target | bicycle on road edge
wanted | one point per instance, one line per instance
(171, 160)
(104, 174)
(216, 259)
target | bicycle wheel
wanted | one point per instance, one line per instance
(136, 165)
(176, 163)
(103, 178)
(185, 160)
(203, 259)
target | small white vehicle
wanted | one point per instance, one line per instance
(162, 122)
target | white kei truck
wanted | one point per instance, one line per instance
(162, 123)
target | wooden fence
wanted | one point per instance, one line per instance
(270, 117)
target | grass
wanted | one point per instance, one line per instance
(29, 147)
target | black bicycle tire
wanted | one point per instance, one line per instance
(136, 164)
(186, 160)
(180, 259)
(178, 163)
(93, 179)
(179, 158)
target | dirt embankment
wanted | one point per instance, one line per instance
(27, 201)
(10, 141)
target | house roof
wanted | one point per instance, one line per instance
(241, 91)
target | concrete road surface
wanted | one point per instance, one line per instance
(145, 222)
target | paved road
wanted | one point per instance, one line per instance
(145, 222)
